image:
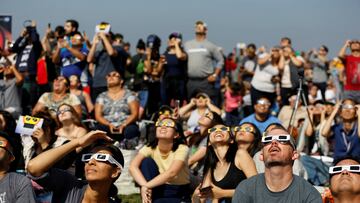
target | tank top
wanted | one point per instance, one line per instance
(230, 181)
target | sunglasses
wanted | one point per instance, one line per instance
(249, 129)
(339, 169)
(62, 111)
(113, 75)
(263, 102)
(347, 106)
(282, 139)
(201, 97)
(165, 123)
(100, 157)
(5, 145)
(221, 129)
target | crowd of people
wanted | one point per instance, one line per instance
(258, 125)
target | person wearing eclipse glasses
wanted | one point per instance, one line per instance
(345, 180)
(103, 165)
(346, 132)
(261, 118)
(278, 183)
(13, 186)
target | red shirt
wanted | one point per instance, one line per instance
(352, 68)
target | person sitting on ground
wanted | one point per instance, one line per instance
(117, 109)
(262, 117)
(345, 180)
(225, 166)
(87, 106)
(70, 126)
(52, 100)
(346, 132)
(102, 167)
(278, 183)
(248, 137)
(197, 107)
(160, 168)
(13, 186)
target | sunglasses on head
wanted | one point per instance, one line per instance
(5, 145)
(100, 157)
(339, 169)
(249, 129)
(165, 123)
(283, 139)
(221, 129)
(263, 102)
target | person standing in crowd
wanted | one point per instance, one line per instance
(174, 77)
(28, 49)
(232, 101)
(286, 111)
(153, 68)
(106, 58)
(117, 109)
(102, 167)
(160, 168)
(52, 100)
(266, 75)
(248, 64)
(10, 90)
(13, 186)
(201, 55)
(345, 180)
(320, 66)
(139, 85)
(262, 117)
(70, 27)
(346, 132)
(352, 69)
(278, 183)
(293, 67)
(72, 57)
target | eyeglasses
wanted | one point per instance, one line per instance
(165, 123)
(201, 97)
(249, 129)
(347, 106)
(165, 112)
(62, 111)
(113, 75)
(263, 102)
(339, 169)
(282, 139)
(5, 145)
(100, 157)
(221, 129)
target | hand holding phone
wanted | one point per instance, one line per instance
(205, 189)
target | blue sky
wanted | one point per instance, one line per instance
(309, 23)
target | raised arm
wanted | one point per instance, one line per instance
(107, 44)
(326, 130)
(342, 51)
(91, 55)
(44, 161)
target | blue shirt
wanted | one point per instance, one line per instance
(262, 125)
(345, 143)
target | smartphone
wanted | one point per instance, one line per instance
(206, 189)
(177, 104)
(116, 131)
(49, 25)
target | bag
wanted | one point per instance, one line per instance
(140, 67)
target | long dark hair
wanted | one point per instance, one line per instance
(211, 159)
(196, 138)
(75, 117)
(256, 145)
(49, 125)
(178, 141)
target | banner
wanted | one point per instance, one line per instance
(5, 30)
